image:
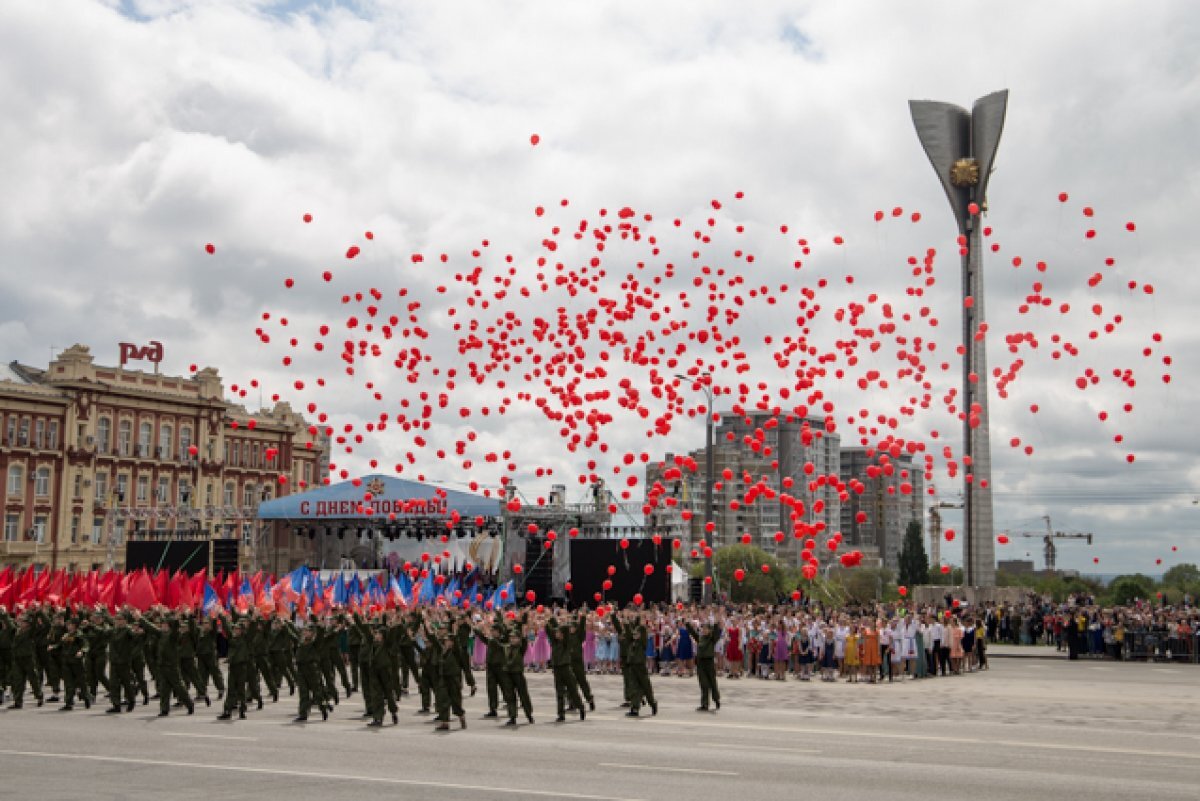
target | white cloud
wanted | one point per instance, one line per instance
(130, 140)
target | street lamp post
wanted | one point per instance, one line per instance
(709, 470)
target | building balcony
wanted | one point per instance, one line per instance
(24, 548)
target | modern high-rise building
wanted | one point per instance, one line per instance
(754, 449)
(893, 498)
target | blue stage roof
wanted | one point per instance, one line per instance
(378, 496)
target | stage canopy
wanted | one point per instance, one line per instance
(378, 498)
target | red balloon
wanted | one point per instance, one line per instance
(530, 596)
(945, 569)
(637, 598)
(567, 586)
(518, 569)
(902, 590)
(607, 585)
(949, 535)
(739, 575)
(648, 570)
(210, 248)
(624, 544)
(534, 139)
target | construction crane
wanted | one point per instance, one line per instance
(935, 529)
(1050, 549)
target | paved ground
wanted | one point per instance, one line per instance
(1027, 729)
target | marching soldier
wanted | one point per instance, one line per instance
(279, 648)
(308, 675)
(576, 632)
(120, 659)
(24, 665)
(168, 668)
(565, 688)
(208, 664)
(71, 650)
(635, 661)
(706, 667)
(239, 668)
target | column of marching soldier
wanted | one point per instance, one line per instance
(85, 649)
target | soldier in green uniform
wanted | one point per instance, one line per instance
(239, 668)
(565, 689)
(168, 668)
(308, 674)
(448, 690)
(208, 665)
(462, 641)
(120, 665)
(47, 631)
(382, 673)
(354, 642)
(635, 661)
(406, 642)
(97, 637)
(514, 676)
(188, 634)
(7, 630)
(326, 635)
(137, 660)
(430, 669)
(280, 643)
(494, 637)
(576, 632)
(24, 667)
(706, 667)
(261, 663)
(71, 650)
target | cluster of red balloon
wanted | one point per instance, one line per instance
(601, 353)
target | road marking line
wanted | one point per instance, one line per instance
(760, 748)
(314, 775)
(206, 736)
(668, 770)
(1099, 749)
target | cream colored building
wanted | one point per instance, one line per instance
(92, 456)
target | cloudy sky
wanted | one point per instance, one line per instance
(135, 133)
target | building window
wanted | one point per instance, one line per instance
(11, 439)
(185, 492)
(248, 495)
(164, 490)
(39, 529)
(185, 441)
(307, 473)
(122, 487)
(124, 437)
(75, 529)
(52, 435)
(97, 530)
(16, 480)
(208, 495)
(103, 434)
(228, 498)
(39, 434)
(143, 489)
(166, 436)
(235, 453)
(23, 435)
(41, 482)
(102, 486)
(12, 528)
(145, 433)
(78, 485)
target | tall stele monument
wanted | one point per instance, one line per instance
(961, 145)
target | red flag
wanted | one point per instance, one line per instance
(159, 582)
(6, 595)
(140, 592)
(186, 599)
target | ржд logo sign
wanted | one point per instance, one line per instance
(130, 352)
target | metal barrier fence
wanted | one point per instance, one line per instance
(1157, 646)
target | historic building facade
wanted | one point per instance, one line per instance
(93, 456)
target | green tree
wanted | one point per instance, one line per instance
(1182, 576)
(755, 585)
(914, 563)
(866, 584)
(1125, 589)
